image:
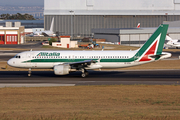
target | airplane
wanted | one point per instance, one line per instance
(138, 26)
(64, 62)
(171, 42)
(46, 32)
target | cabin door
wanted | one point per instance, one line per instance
(30, 61)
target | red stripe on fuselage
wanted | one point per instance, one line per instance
(149, 52)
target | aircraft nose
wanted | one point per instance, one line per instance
(10, 62)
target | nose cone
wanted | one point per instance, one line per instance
(11, 62)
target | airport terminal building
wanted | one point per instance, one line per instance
(79, 17)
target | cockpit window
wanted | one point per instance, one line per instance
(17, 56)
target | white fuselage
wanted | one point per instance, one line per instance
(47, 32)
(104, 59)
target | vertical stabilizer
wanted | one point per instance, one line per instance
(154, 44)
(138, 26)
(52, 24)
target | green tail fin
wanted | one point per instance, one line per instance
(154, 44)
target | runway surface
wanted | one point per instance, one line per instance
(47, 78)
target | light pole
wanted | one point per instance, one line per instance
(71, 11)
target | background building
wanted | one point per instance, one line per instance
(25, 23)
(11, 35)
(78, 17)
(131, 36)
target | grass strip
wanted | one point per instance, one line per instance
(154, 102)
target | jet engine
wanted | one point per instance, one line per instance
(61, 69)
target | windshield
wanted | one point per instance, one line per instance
(17, 56)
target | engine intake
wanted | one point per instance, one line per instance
(61, 69)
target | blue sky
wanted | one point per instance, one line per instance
(22, 2)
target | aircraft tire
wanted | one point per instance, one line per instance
(83, 75)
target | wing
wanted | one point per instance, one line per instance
(81, 64)
(45, 34)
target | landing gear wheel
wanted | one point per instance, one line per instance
(83, 75)
(29, 75)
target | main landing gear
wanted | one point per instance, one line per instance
(29, 72)
(84, 73)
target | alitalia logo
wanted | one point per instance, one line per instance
(48, 54)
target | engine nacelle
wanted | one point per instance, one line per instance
(61, 69)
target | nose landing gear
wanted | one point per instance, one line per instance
(29, 72)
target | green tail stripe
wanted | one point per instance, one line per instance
(162, 39)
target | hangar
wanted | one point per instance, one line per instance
(78, 17)
(131, 36)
